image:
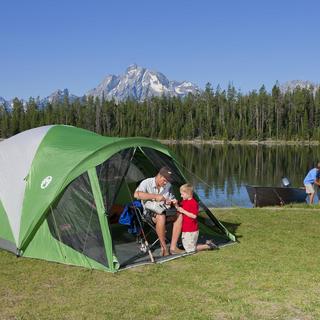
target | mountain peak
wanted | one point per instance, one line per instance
(294, 84)
(140, 83)
(58, 96)
(132, 67)
(4, 103)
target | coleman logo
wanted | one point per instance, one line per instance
(45, 182)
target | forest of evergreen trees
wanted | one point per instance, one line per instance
(212, 114)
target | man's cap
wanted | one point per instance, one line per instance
(167, 173)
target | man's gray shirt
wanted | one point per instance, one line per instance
(149, 186)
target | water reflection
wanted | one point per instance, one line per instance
(220, 172)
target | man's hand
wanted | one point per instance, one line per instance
(159, 198)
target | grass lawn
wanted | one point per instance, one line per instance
(273, 273)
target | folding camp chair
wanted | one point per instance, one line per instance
(146, 220)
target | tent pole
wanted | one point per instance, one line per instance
(102, 217)
(58, 233)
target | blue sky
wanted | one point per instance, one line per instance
(47, 45)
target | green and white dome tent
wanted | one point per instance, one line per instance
(61, 191)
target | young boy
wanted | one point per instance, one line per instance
(190, 230)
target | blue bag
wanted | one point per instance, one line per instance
(129, 219)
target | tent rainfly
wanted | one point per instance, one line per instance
(61, 191)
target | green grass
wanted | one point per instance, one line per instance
(303, 205)
(273, 273)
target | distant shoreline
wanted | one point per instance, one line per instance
(243, 142)
(239, 142)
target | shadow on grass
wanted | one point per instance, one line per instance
(232, 227)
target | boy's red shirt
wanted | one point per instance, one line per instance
(189, 224)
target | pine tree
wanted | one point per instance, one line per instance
(32, 114)
(4, 122)
(17, 120)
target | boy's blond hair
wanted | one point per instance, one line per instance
(187, 188)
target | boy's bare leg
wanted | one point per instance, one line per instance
(201, 247)
(209, 245)
(176, 232)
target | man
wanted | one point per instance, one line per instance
(156, 197)
(312, 178)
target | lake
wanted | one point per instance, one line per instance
(220, 172)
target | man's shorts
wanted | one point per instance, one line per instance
(309, 188)
(189, 240)
(156, 207)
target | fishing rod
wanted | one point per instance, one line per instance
(143, 234)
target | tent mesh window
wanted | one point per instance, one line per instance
(119, 176)
(111, 174)
(160, 160)
(209, 226)
(74, 220)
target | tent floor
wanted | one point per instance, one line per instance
(136, 258)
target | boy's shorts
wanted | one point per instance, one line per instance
(189, 240)
(309, 188)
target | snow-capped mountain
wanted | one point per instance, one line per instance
(58, 96)
(140, 84)
(294, 84)
(4, 103)
(137, 83)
